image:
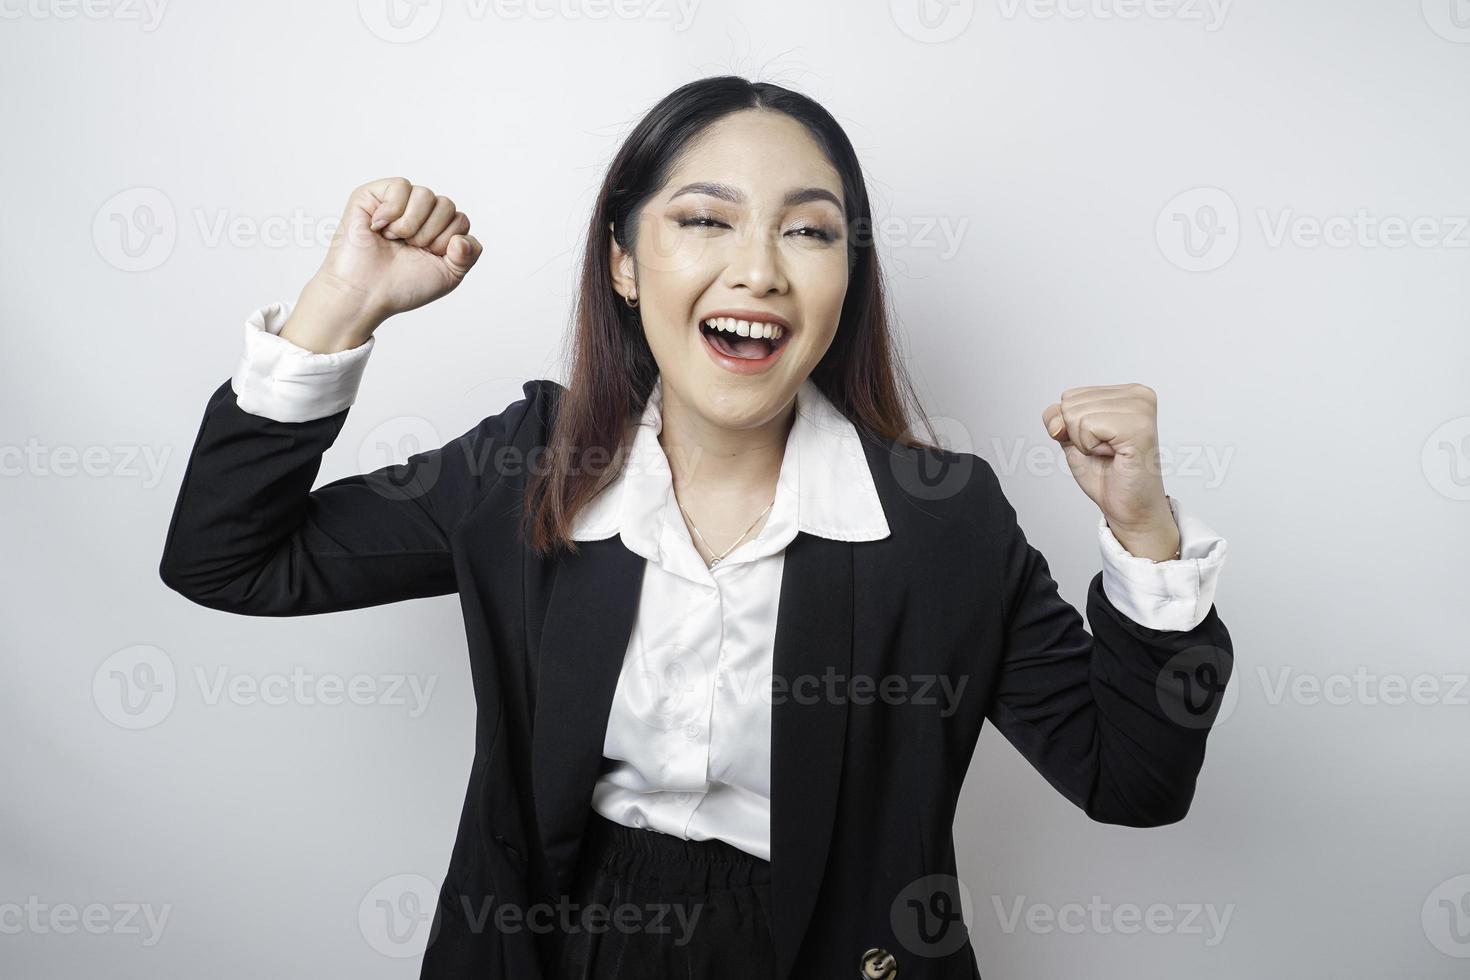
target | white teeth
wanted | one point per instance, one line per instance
(745, 328)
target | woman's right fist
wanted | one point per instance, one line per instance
(398, 246)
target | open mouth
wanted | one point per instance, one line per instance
(743, 339)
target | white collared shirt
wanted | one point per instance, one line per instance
(688, 743)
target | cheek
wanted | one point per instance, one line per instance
(672, 253)
(826, 287)
(665, 332)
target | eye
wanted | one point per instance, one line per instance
(701, 221)
(816, 232)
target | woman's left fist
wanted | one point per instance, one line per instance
(1110, 434)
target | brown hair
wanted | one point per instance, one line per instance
(612, 367)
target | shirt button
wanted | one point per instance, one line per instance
(691, 731)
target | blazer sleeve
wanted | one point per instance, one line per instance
(1116, 719)
(248, 534)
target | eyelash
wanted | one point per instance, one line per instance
(703, 222)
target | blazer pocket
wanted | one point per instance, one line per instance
(515, 853)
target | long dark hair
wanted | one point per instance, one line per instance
(613, 369)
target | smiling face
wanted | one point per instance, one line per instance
(748, 229)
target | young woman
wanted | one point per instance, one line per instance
(733, 634)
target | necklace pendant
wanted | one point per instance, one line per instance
(713, 562)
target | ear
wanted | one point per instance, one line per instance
(621, 267)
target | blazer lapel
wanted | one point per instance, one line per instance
(808, 728)
(589, 620)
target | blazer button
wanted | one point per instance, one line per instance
(879, 964)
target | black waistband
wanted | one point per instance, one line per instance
(668, 862)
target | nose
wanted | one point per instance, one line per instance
(755, 263)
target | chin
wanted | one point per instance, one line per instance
(743, 403)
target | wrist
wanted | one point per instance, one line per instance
(329, 316)
(1157, 539)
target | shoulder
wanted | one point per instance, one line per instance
(927, 487)
(496, 450)
(524, 422)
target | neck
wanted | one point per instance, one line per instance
(710, 462)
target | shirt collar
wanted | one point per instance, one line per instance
(824, 488)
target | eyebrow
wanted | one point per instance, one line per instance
(725, 192)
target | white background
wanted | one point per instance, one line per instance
(167, 171)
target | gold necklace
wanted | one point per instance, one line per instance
(716, 559)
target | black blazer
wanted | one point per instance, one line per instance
(864, 784)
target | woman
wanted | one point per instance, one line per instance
(732, 638)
